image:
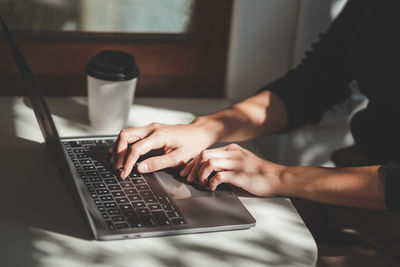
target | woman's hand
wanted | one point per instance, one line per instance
(179, 142)
(235, 165)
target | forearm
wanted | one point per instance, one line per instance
(361, 187)
(260, 115)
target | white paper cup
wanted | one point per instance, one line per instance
(111, 83)
(110, 102)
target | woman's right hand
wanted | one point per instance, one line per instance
(180, 143)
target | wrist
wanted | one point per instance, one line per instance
(273, 174)
(295, 181)
(210, 127)
(285, 181)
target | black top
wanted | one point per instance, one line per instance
(362, 44)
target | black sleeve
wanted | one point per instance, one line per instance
(392, 186)
(322, 79)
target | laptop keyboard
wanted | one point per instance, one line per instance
(136, 202)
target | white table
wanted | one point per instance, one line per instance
(41, 225)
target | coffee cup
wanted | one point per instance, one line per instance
(111, 83)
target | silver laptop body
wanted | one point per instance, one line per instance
(155, 204)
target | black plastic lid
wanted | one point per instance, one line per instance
(111, 65)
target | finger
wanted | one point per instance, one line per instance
(113, 152)
(232, 146)
(220, 153)
(185, 171)
(231, 177)
(120, 154)
(195, 166)
(126, 137)
(160, 162)
(215, 165)
(138, 149)
(203, 156)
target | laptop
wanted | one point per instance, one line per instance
(143, 205)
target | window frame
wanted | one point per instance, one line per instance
(176, 65)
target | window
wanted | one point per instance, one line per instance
(184, 56)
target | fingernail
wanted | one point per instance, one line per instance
(143, 167)
(122, 174)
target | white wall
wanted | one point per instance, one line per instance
(262, 42)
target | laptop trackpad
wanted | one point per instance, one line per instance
(179, 188)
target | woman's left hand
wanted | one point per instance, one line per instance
(235, 165)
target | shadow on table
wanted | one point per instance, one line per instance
(33, 192)
(190, 250)
(271, 250)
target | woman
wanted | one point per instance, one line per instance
(360, 45)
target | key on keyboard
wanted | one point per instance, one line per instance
(137, 202)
